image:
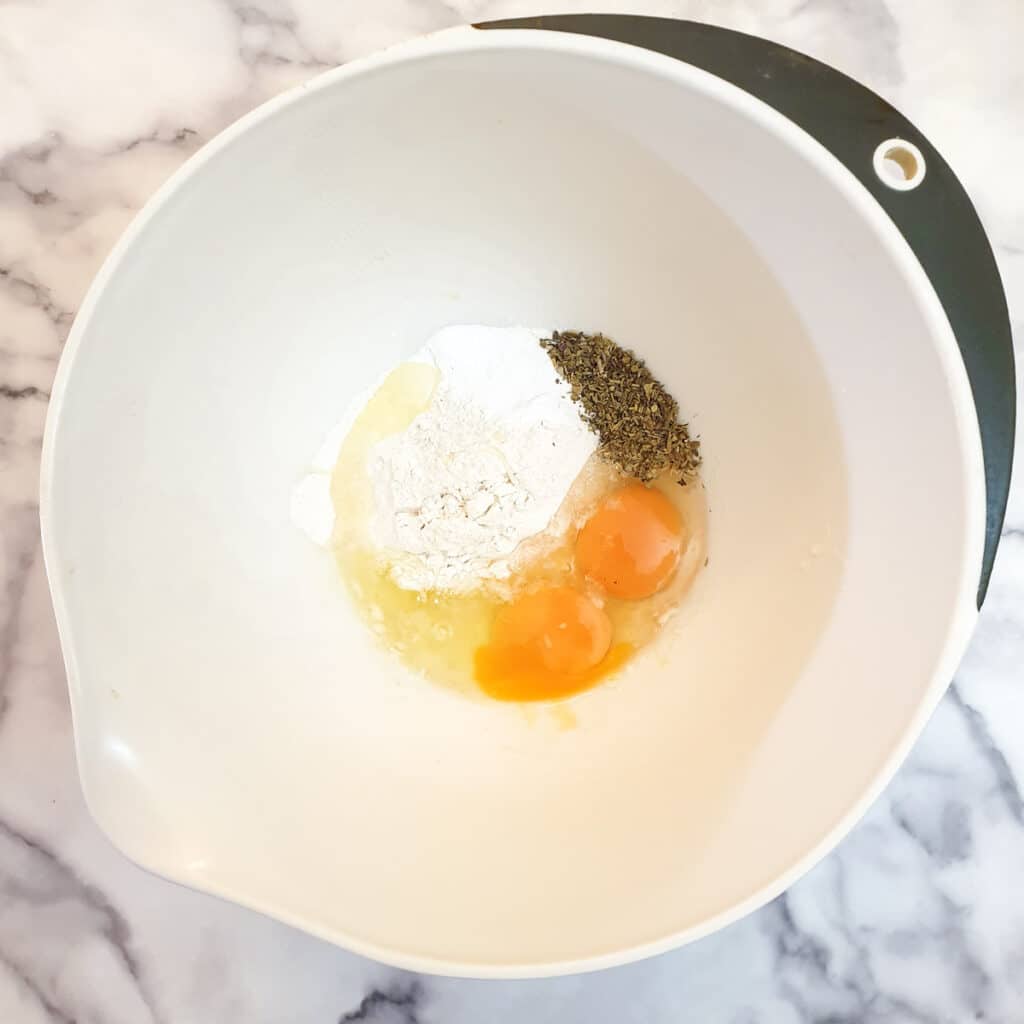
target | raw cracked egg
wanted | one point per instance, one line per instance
(582, 614)
(545, 643)
(630, 546)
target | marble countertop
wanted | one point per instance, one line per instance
(917, 917)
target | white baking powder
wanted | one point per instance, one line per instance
(485, 467)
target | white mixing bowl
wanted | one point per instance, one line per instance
(238, 731)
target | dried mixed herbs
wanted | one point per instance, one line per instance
(636, 419)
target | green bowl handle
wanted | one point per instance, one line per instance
(936, 218)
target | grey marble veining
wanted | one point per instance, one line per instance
(917, 917)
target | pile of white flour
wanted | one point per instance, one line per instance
(485, 467)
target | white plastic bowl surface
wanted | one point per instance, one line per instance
(236, 728)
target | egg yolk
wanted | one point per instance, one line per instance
(630, 546)
(546, 644)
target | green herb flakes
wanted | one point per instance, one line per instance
(635, 418)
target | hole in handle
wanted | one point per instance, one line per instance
(899, 164)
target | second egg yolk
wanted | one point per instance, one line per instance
(545, 644)
(630, 546)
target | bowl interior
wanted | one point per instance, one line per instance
(237, 729)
